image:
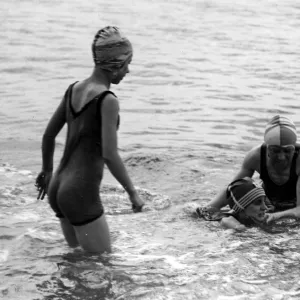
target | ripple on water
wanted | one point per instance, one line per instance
(234, 70)
(116, 200)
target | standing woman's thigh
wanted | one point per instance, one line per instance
(69, 232)
(94, 236)
(79, 201)
(66, 227)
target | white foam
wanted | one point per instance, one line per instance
(27, 216)
(10, 174)
(171, 260)
(25, 172)
(3, 255)
(9, 171)
(45, 235)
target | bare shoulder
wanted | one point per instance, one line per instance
(110, 103)
(253, 156)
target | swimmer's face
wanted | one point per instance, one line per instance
(121, 73)
(281, 156)
(256, 209)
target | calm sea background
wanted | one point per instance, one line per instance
(206, 77)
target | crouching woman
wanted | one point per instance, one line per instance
(247, 206)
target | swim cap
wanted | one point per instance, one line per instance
(280, 131)
(243, 192)
(110, 48)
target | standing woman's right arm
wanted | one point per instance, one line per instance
(54, 126)
(109, 116)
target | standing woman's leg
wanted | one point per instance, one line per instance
(79, 200)
(94, 236)
(69, 233)
(67, 228)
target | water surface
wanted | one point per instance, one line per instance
(205, 78)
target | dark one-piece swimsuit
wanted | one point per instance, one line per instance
(281, 196)
(73, 192)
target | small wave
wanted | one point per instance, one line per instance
(116, 200)
(160, 162)
(18, 70)
(4, 255)
(14, 196)
(6, 237)
(15, 186)
(44, 233)
(26, 216)
(9, 170)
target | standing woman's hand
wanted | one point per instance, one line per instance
(137, 202)
(42, 183)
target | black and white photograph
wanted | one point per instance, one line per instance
(149, 150)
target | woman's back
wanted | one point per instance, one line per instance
(83, 148)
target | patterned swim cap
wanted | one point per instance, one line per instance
(280, 131)
(110, 48)
(243, 192)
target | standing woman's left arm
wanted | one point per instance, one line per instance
(54, 126)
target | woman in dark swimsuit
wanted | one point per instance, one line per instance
(91, 112)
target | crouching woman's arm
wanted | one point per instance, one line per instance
(231, 222)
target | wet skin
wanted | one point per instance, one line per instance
(279, 161)
(121, 73)
(257, 209)
(280, 157)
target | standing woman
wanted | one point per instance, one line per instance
(91, 112)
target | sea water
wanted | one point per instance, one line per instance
(205, 78)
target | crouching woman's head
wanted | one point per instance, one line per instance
(247, 200)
